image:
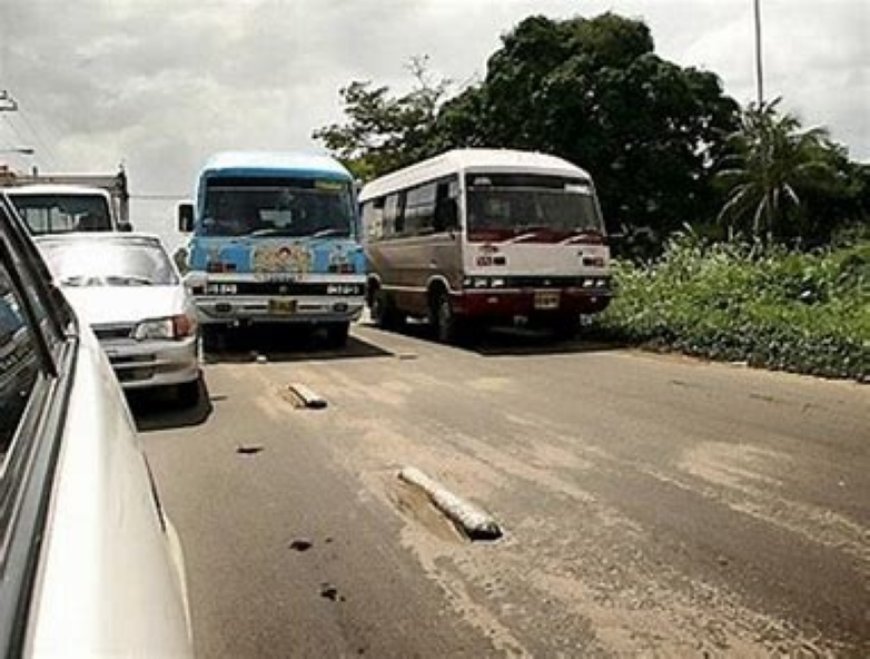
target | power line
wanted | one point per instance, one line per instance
(42, 143)
(160, 197)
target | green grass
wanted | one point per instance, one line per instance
(807, 313)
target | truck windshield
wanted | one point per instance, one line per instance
(286, 207)
(522, 202)
(63, 213)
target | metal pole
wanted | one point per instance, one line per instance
(759, 78)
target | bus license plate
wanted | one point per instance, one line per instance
(282, 307)
(546, 299)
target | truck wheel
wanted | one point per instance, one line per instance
(212, 338)
(336, 334)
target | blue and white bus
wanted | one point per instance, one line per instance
(275, 239)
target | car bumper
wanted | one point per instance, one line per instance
(500, 304)
(144, 364)
(309, 309)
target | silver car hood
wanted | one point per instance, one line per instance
(103, 305)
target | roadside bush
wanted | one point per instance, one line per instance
(802, 312)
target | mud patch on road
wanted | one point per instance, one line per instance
(737, 472)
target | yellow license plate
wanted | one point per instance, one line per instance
(546, 299)
(282, 307)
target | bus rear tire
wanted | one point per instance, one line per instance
(566, 328)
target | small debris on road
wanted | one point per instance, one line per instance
(307, 397)
(301, 545)
(475, 523)
(328, 540)
(248, 450)
(328, 591)
(405, 356)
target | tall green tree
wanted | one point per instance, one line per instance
(594, 92)
(772, 166)
(590, 90)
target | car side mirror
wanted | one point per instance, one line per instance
(125, 227)
(185, 217)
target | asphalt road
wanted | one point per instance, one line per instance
(651, 504)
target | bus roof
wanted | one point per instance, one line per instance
(462, 160)
(269, 163)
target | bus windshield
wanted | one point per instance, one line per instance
(283, 207)
(523, 202)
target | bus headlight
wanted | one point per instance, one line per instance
(498, 282)
(588, 283)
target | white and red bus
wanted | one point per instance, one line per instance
(479, 237)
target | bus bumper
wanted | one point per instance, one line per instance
(542, 304)
(225, 310)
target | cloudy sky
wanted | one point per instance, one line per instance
(161, 84)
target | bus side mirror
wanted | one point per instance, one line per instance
(185, 217)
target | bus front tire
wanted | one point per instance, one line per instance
(448, 328)
(336, 334)
(384, 312)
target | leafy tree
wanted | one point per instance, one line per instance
(594, 92)
(773, 164)
(385, 133)
(589, 90)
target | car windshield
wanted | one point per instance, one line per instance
(132, 262)
(523, 202)
(289, 207)
(51, 213)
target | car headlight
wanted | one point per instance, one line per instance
(174, 327)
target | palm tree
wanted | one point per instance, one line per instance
(772, 160)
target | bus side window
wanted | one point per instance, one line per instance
(373, 218)
(420, 209)
(446, 209)
(394, 214)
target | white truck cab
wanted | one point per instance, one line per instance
(65, 208)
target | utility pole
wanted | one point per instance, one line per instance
(759, 78)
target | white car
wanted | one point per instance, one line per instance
(89, 563)
(129, 290)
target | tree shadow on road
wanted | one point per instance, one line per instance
(506, 341)
(158, 409)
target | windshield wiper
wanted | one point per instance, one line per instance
(579, 233)
(329, 232)
(274, 231)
